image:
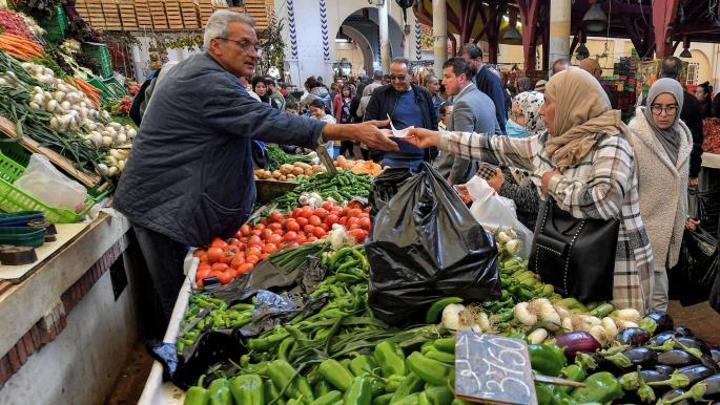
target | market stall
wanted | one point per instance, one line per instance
(298, 307)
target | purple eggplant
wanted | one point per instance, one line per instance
(715, 353)
(656, 322)
(573, 343)
(677, 358)
(633, 337)
(696, 373)
(661, 368)
(705, 390)
(674, 394)
(683, 331)
(694, 343)
(661, 338)
(633, 357)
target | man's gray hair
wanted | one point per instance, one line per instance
(217, 25)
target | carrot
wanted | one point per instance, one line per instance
(20, 47)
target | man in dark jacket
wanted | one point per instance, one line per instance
(487, 82)
(691, 115)
(407, 105)
(190, 174)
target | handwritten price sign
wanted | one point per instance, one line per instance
(493, 369)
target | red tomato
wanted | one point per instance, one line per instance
(319, 232)
(292, 226)
(354, 212)
(301, 238)
(328, 205)
(217, 242)
(227, 257)
(214, 254)
(199, 252)
(342, 221)
(296, 213)
(306, 212)
(331, 219)
(312, 239)
(290, 236)
(352, 221)
(254, 241)
(237, 260)
(260, 225)
(321, 212)
(365, 223)
(267, 233)
(345, 211)
(358, 234)
(354, 226)
(220, 267)
(245, 229)
(233, 241)
(277, 216)
(326, 227)
(244, 268)
(214, 274)
(252, 259)
(226, 276)
(302, 221)
(256, 232)
(254, 250)
(293, 245)
(201, 274)
(264, 256)
(270, 248)
(275, 226)
(308, 229)
(314, 220)
(203, 258)
(276, 239)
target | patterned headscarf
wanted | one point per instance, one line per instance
(530, 103)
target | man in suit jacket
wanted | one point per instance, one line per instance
(473, 111)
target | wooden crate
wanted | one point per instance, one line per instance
(172, 12)
(81, 8)
(157, 11)
(204, 9)
(258, 10)
(96, 17)
(127, 15)
(142, 13)
(189, 14)
(111, 12)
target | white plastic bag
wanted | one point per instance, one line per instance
(496, 213)
(43, 181)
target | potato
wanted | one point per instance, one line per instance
(308, 172)
(291, 177)
(282, 178)
(304, 165)
(298, 170)
(277, 173)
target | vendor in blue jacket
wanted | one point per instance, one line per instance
(190, 174)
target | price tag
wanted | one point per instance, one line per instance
(493, 370)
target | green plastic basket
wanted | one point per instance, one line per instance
(55, 26)
(13, 199)
(101, 55)
(22, 236)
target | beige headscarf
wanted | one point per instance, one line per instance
(582, 114)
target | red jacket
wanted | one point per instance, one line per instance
(337, 106)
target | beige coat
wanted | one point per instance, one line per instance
(663, 190)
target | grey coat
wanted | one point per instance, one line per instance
(190, 172)
(473, 111)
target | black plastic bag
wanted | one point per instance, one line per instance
(714, 298)
(385, 186)
(692, 278)
(426, 245)
(708, 207)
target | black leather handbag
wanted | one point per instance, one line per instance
(576, 256)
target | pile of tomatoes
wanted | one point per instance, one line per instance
(226, 259)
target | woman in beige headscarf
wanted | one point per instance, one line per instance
(584, 163)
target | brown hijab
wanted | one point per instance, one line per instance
(582, 115)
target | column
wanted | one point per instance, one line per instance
(384, 36)
(440, 36)
(560, 12)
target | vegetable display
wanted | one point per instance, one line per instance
(341, 187)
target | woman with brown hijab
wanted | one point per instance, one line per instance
(584, 163)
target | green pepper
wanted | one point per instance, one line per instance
(410, 385)
(446, 345)
(390, 357)
(431, 371)
(359, 393)
(572, 304)
(345, 363)
(439, 395)
(412, 399)
(248, 389)
(423, 399)
(197, 395)
(284, 375)
(362, 364)
(547, 359)
(601, 311)
(383, 399)
(321, 388)
(220, 392)
(427, 346)
(394, 382)
(441, 357)
(460, 402)
(330, 398)
(561, 397)
(334, 373)
(601, 387)
(573, 372)
(272, 393)
(544, 393)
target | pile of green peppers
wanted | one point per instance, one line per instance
(206, 313)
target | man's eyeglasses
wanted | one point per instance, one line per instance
(244, 45)
(669, 110)
(398, 77)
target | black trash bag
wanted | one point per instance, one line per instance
(708, 207)
(692, 278)
(385, 186)
(276, 309)
(714, 298)
(426, 245)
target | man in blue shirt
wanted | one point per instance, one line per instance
(487, 82)
(407, 105)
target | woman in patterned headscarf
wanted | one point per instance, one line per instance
(584, 162)
(525, 117)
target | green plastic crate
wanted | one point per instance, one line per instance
(56, 26)
(101, 55)
(13, 199)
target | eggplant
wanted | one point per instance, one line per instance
(674, 394)
(696, 373)
(654, 376)
(707, 361)
(633, 357)
(677, 358)
(573, 343)
(695, 343)
(661, 368)
(633, 337)
(683, 331)
(661, 338)
(656, 322)
(715, 353)
(705, 390)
